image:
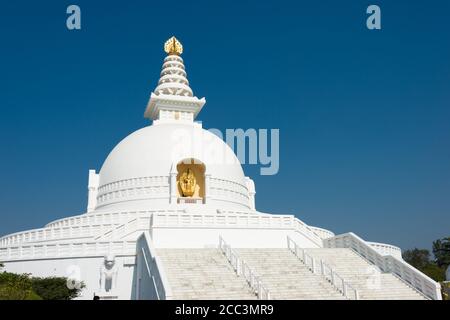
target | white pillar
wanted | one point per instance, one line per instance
(173, 184)
(92, 190)
(251, 192)
(207, 187)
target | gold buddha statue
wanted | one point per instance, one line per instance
(188, 183)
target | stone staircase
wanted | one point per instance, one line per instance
(286, 277)
(206, 274)
(371, 283)
(203, 274)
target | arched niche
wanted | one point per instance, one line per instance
(188, 170)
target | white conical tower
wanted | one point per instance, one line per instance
(173, 99)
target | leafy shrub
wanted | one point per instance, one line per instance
(16, 287)
(54, 288)
(23, 287)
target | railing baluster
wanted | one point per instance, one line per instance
(323, 270)
(242, 268)
(388, 263)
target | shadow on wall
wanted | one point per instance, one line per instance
(144, 290)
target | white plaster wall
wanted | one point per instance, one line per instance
(90, 272)
(238, 238)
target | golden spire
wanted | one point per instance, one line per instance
(173, 46)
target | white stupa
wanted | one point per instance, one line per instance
(171, 215)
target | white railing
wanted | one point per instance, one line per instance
(386, 249)
(100, 231)
(94, 224)
(221, 220)
(154, 269)
(254, 281)
(240, 221)
(231, 256)
(243, 269)
(66, 250)
(388, 263)
(105, 217)
(322, 233)
(123, 230)
(96, 218)
(325, 270)
(304, 229)
(49, 234)
(81, 226)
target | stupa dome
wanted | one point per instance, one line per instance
(139, 167)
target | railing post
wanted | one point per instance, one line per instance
(344, 289)
(239, 267)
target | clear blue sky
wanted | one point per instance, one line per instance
(364, 116)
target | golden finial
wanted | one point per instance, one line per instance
(173, 46)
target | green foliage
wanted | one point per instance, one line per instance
(434, 272)
(54, 288)
(16, 287)
(23, 287)
(418, 258)
(441, 251)
(33, 296)
(445, 290)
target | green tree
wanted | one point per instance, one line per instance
(446, 290)
(16, 287)
(421, 259)
(23, 287)
(441, 251)
(418, 258)
(434, 272)
(54, 288)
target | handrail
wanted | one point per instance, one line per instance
(242, 268)
(115, 230)
(388, 263)
(110, 216)
(386, 249)
(325, 270)
(231, 256)
(67, 249)
(125, 229)
(322, 233)
(154, 267)
(254, 281)
(93, 224)
(96, 232)
(307, 231)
